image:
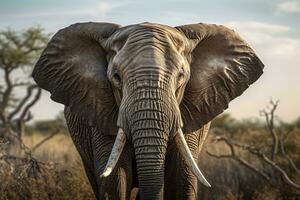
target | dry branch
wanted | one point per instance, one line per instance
(269, 115)
(285, 155)
(31, 103)
(255, 151)
(233, 155)
(23, 101)
(277, 145)
(44, 140)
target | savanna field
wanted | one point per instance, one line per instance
(243, 159)
(53, 169)
(202, 54)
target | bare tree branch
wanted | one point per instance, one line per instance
(44, 140)
(259, 154)
(282, 172)
(31, 103)
(240, 160)
(19, 84)
(7, 92)
(282, 149)
(23, 101)
(17, 137)
(269, 117)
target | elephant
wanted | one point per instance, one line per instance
(139, 100)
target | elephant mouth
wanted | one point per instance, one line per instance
(180, 144)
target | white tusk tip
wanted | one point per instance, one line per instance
(106, 173)
(187, 156)
(206, 183)
(202, 179)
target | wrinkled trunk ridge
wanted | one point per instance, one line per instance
(150, 124)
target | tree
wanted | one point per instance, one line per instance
(18, 93)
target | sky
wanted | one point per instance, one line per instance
(271, 27)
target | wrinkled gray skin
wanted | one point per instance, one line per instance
(150, 80)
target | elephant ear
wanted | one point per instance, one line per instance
(73, 69)
(222, 66)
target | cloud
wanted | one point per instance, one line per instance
(288, 6)
(266, 36)
(97, 10)
(102, 9)
(105, 7)
(258, 26)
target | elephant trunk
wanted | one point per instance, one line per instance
(151, 120)
(150, 153)
(148, 117)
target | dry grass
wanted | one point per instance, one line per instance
(232, 181)
(59, 149)
(62, 175)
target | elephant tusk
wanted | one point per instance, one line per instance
(188, 157)
(115, 153)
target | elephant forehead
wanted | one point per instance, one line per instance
(148, 47)
(148, 57)
(148, 33)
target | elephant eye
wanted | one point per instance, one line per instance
(117, 79)
(180, 78)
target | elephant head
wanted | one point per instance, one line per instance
(148, 84)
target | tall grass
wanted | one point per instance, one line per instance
(61, 174)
